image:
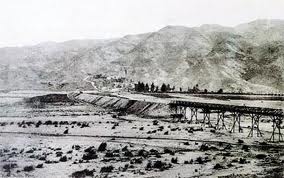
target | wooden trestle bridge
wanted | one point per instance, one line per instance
(222, 111)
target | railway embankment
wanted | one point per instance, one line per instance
(122, 104)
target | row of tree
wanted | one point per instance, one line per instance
(145, 87)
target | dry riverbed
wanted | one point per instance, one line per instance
(69, 139)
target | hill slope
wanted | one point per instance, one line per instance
(248, 57)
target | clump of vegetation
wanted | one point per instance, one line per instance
(261, 156)
(138, 160)
(218, 166)
(9, 167)
(200, 160)
(169, 151)
(89, 156)
(30, 151)
(66, 131)
(76, 147)
(102, 147)
(245, 148)
(39, 123)
(83, 173)
(29, 168)
(63, 159)
(39, 166)
(59, 153)
(158, 165)
(107, 169)
(90, 149)
(155, 122)
(128, 154)
(243, 161)
(143, 153)
(90, 153)
(174, 160)
(49, 122)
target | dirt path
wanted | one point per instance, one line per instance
(113, 137)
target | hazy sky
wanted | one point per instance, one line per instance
(28, 22)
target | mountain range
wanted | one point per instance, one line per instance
(246, 58)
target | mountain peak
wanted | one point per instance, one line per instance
(261, 23)
(266, 21)
(174, 28)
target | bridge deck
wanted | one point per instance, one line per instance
(230, 108)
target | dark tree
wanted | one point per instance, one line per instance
(220, 91)
(168, 87)
(163, 88)
(157, 89)
(136, 86)
(142, 87)
(180, 89)
(195, 89)
(139, 86)
(152, 87)
(146, 87)
(205, 91)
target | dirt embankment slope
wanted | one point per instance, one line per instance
(50, 98)
(142, 108)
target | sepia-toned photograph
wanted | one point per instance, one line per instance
(141, 88)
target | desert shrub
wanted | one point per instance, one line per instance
(49, 122)
(245, 148)
(9, 167)
(107, 169)
(136, 160)
(39, 166)
(29, 168)
(174, 160)
(63, 159)
(102, 147)
(128, 154)
(158, 165)
(76, 147)
(59, 153)
(89, 156)
(167, 150)
(242, 161)
(155, 122)
(218, 166)
(260, 156)
(83, 173)
(200, 160)
(143, 153)
(90, 149)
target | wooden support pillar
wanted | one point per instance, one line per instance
(220, 120)
(236, 120)
(276, 128)
(193, 114)
(183, 113)
(179, 113)
(206, 117)
(255, 125)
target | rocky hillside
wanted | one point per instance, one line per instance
(248, 57)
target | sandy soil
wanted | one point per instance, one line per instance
(79, 139)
